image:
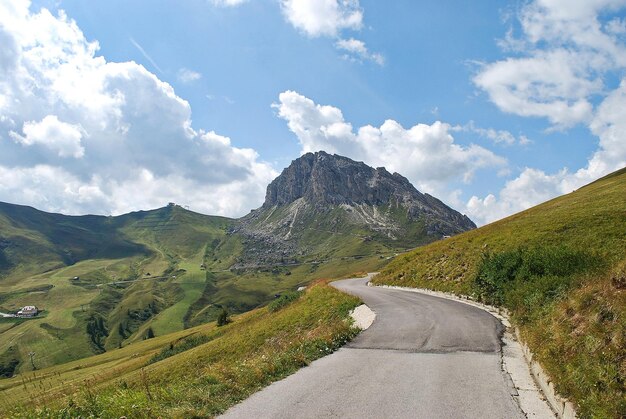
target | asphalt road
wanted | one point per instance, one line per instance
(423, 357)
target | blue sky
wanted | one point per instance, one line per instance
(491, 106)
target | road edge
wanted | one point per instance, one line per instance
(536, 394)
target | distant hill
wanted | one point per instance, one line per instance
(560, 268)
(106, 282)
(36, 241)
(101, 281)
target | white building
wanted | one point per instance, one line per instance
(28, 311)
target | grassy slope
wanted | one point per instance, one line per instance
(60, 335)
(35, 241)
(169, 239)
(578, 329)
(257, 348)
(165, 290)
(180, 238)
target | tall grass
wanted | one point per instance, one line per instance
(528, 279)
(203, 375)
(284, 300)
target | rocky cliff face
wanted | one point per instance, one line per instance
(324, 180)
(321, 195)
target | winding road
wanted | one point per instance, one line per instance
(423, 357)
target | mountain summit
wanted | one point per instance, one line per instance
(321, 197)
(324, 180)
(334, 180)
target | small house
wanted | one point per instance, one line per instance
(28, 311)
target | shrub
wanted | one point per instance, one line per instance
(149, 333)
(7, 368)
(284, 300)
(97, 331)
(223, 318)
(182, 345)
(526, 280)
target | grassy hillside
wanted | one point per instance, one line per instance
(131, 271)
(33, 241)
(198, 372)
(171, 270)
(560, 268)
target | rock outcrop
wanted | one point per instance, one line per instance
(334, 195)
(322, 179)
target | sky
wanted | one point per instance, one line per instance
(492, 106)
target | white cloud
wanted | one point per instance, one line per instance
(568, 57)
(356, 50)
(228, 3)
(317, 18)
(56, 135)
(616, 26)
(553, 85)
(323, 17)
(572, 24)
(497, 136)
(530, 188)
(185, 75)
(426, 154)
(130, 135)
(565, 54)
(609, 124)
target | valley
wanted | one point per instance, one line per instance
(108, 282)
(558, 268)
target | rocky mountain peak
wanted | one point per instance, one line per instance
(322, 181)
(321, 199)
(321, 178)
